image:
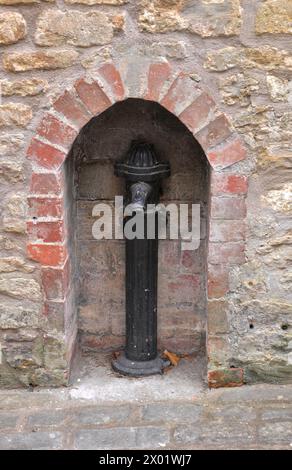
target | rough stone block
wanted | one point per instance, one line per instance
(25, 87)
(83, 29)
(15, 114)
(12, 27)
(38, 60)
(274, 17)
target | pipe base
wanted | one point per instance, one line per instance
(126, 366)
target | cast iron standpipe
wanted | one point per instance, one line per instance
(143, 173)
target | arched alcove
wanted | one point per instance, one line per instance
(100, 264)
(52, 235)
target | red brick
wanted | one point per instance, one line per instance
(74, 111)
(92, 96)
(228, 184)
(229, 253)
(45, 207)
(228, 208)
(218, 350)
(196, 115)
(214, 133)
(47, 255)
(46, 232)
(56, 132)
(46, 183)
(218, 280)
(45, 155)
(217, 317)
(232, 377)
(113, 78)
(157, 76)
(55, 282)
(54, 311)
(227, 230)
(102, 343)
(227, 154)
(181, 94)
(182, 288)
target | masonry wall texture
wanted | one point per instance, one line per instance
(239, 54)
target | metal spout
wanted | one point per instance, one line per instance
(139, 197)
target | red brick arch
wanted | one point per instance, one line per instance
(47, 231)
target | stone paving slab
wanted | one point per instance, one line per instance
(248, 417)
(209, 421)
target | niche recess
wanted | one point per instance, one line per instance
(100, 264)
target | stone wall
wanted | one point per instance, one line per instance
(240, 51)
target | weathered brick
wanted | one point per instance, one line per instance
(92, 320)
(47, 255)
(72, 109)
(217, 317)
(227, 230)
(45, 207)
(218, 350)
(231, 253)
(92, 96)
(45, 155)
(113, 79)
(198, 113)
(181, 94)
(182, 288)
(56, 131)
(225, 377)
(233, 208)
(214, 133)
(93, 342)
(46, 184)
(228, 184)
(46, 232)
(157, 76)
(227, 154)
(218, 280)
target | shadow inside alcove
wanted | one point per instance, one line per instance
(100, 264)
